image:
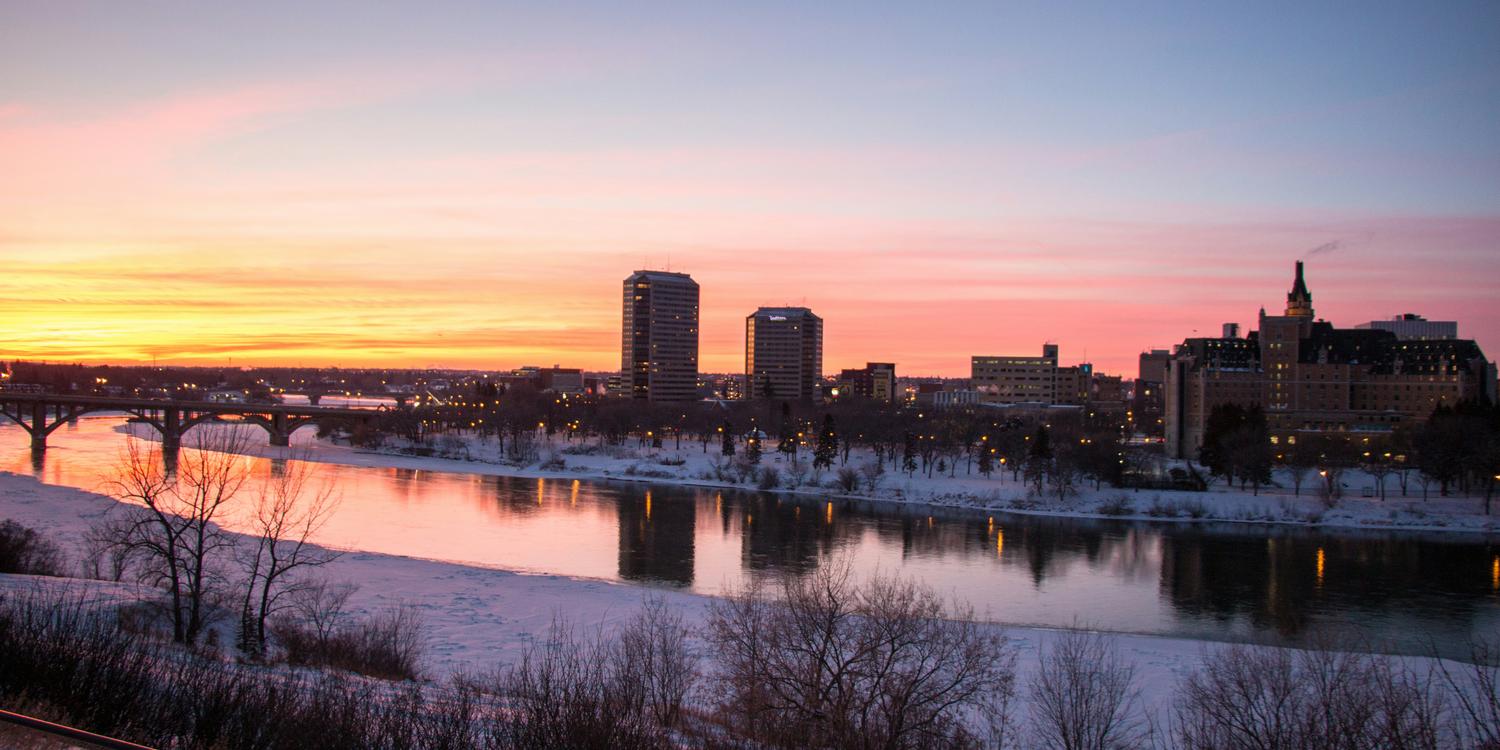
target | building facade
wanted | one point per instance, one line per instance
(1026, 380)
(783, 353)
(1310, 377)
(876, 381)
(659, 337)
(1411, 327)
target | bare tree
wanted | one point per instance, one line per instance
(873, 474)
(1084, 696)
(1257, 697)
(1476, 695)
(105, 556)
(322, 605)
(796, 472)
(288, 513)
(172, 520)
(832, 664)
(620, 692)
(653, 652)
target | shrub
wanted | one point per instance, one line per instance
(387, 645)
(847, 479)
(620, 692)
(553, 462)
(1118, 505)
(26, 552)
(767, 478)
(70, 661)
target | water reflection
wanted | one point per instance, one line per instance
(1237, 581)
(656, 543)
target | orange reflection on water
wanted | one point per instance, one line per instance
(1320, 566)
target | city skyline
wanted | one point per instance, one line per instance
(936, 185)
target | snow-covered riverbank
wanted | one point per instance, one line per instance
(477, 618)
(691, 465)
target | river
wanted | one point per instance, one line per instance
(1398, 591)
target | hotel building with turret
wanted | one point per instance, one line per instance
(1311, 377)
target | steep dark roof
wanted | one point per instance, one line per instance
(1230, 354)
(1422, 357)
(1345, 346)
(1383, 351)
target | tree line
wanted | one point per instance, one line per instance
(1455, 450)
(1056, 452)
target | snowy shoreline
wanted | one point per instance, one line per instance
(477, 618)
(1273, 507)
(970, 494)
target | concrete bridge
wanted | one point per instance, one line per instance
(41, 413)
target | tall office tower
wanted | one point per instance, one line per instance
(659, 337)
(783, 353)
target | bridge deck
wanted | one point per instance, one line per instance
(204, 407)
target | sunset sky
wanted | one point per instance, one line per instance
(466, 184)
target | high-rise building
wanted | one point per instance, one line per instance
(783, 353)
(1149, 397)
(659, 338)
(1312, 378)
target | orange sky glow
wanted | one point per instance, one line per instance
(474, 211)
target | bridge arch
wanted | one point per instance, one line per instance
(280, 426)
(18, 421)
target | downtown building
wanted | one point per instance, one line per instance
(875, 381)
(1018, 379)
(783, 354)
(1310, 377)
(1409, 327)
(659, 337)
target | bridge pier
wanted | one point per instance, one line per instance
(314, 398)
(280, 436)
(171, 431)
(39, 426)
